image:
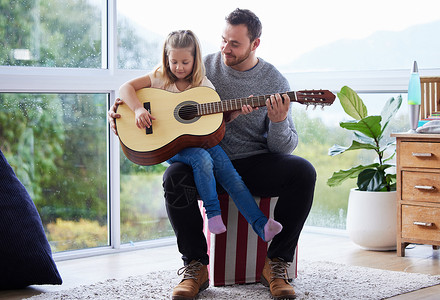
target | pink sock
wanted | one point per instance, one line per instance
(271, 229)
(215, 225)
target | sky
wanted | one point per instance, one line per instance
(290, 28)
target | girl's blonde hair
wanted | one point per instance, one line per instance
(179, 40)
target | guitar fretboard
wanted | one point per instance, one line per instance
(235, 104)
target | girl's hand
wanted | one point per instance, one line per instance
(143, 118)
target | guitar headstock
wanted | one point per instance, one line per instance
(315, 97)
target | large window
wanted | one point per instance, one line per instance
(304, 36)
(143, 214)
(318, 131)
(52, 33)
(56, 144)
(62, 62)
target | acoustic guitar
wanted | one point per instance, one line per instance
(192, 118)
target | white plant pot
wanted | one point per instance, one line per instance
(372, 219)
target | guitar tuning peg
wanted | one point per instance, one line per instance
(307, 106)
(322, 106)
(314, 106)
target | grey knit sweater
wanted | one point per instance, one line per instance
(253, 133)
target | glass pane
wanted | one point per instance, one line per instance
(318, 131)
(316, 35)
(51, 33)
(143, 214)
(56, 144)
(138, 48)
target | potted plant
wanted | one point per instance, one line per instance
(371, 213)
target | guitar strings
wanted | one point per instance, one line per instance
(192, 110)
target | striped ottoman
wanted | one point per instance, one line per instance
(238, 255)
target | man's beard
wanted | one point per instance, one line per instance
(236, 60)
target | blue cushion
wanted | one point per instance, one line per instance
(25, 254)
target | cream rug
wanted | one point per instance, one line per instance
(316, 280)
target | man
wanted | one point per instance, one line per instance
(259, 144)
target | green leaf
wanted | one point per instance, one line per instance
(352, 103)
(383, 167)
(355, 145)
(370, 126)
(368, 135)
(342, 175)
(371, 180)
(390, 157)
(336, 149)
(363, 138)
(389, 110)
(391, 182)
(387, 145)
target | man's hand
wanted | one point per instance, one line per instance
(245, 109)
(112, 115)
(277, 110)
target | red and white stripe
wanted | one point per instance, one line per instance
(238, 255)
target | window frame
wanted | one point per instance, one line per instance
(107, 80)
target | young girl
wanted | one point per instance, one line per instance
(182, 68)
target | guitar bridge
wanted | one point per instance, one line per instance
(147, 107)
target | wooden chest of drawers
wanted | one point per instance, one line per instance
(418, 190)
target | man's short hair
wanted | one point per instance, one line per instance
(248, 18)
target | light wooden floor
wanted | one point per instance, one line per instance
(313, 245)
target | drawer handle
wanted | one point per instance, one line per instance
(423, 224)
(416, 154)
(424, 187)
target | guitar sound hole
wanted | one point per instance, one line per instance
(186, 112)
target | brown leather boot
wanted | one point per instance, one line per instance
(275, 276)
(195, 279)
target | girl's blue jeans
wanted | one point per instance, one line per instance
(213, 164)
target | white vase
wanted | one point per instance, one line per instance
(372, 219)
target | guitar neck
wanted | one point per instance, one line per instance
(235, 104)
